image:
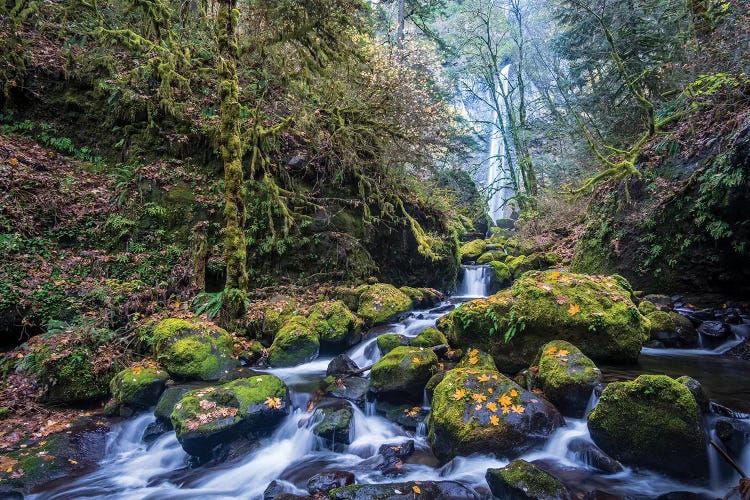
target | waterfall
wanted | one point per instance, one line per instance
(475, 283)
(497, 176)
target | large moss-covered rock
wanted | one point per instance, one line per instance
(382, 302)
(595, 313)
(191, 350)
(389, 341)
(296, 343)
(653, 422)
(429, 337)
(483, 411)
(335, 325)
(520, 480)
(567, 377)
(404, 371)
(472, 250)
(72, 378)
(501, 274)
(207, 417)
(438, 490)
(137, 388)
(422, 297)
(336, 424)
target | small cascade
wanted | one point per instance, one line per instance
(593, 401)
(371, 431)
(476, 282)
(421, 431)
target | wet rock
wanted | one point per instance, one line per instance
(723, 411)
(605, 495)
(326, 481)
(472, 250)
(662, 302)
(353, 389)
(687, 335)
(434, 490)
(295, 343)
(442, 309)
(521, 480)
(341, 365)
(686, 495)
(205, 418)
(566, 376)
(653, 422)
(336, 326)
(422, 297)
(646, 307)
(282, 490)
(169, 398)
(713, 333)
(403, 372)
(394, 456)
(381, 303)
(389, 341)
(191, 350)
(432, 383)
(136, 389)
(483, 411)
(594, 313)
(733, 434)
(590, 454)
(156, 429)
(429, 338)
(336, 426)
(696, 389)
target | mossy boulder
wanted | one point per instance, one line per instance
(382, 302)
(72, 378)
(490, 256)
(520, 480)
(137, 388)
(248, 407)
(296, 343)
(336, 425)
(191, 350)
(472, 250)
(389, 341)
(646, 307)
(422, 297)
(430, 337)
(567, 377)
(670, 329)
(336, 326)
(594, 313)
(483, 411)
(452, 490)
(652, 422)
(403, 372)
(281, 309)
(501, 274)
(477, 360)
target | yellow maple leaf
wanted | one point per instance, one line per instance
(574, 309)
(74, 462)
(506, 410)
(494, 377)
(505, 400)
(518, 409)
(273, 403)
(490, 390)
(562, 353)
(415, 360)
(513, 393)
(473, 360)
(137, 370)
(479, 398)
(13, 162)
(492, 406)
(474, 353)
(416, 489)
(494, 420)
(459, 394)
(551, 350)
(553, 276)
(483, 378)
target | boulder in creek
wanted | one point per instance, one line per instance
(321, 484)
(191, 350)
(713, 333)
(595, 313)
(403, 372)
(483, 411)
(248, 407)
(434, 490)
(521, 480)
(341, 365)
(389, 341)
(136, 388)
(429, 337)
(353, 389)
(394, 456)
(381, 303)
(566, 376)
(295, 343)
(337, 422)
(472, 250)
(335, 324)
(590, 454)
(652, 422)
(422, 298)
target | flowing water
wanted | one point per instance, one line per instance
(133, 469)
(475, 283)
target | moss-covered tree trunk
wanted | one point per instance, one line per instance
(230, 143)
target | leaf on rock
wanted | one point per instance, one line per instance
(273, 403)
(574, 309)
(459, 394)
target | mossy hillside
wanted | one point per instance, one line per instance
(594, 313)
(566, 376)
(654, 422)
(190, 350)
(429, 338)
(206, 417)
(404, 371)
(389, 341)
(472, 250)
(138, 387)
(296, 343)
(382, 302)
(521, 480)
(335, 324)
(483, 411)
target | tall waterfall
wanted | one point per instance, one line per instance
(497, 173)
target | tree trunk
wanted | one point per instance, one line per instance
(230, 144)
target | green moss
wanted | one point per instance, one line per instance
(404, 370)
(501, 273)
(429, 338)
(566, 376)
(594, 313)
(477, 360)
(421, 297)
(72, 378)
(137, 387)
(389, 341)
(193, 351)
(661, 322)
(334, 322)
(381, 303)
(296, 343)
(653, 421)
(646, 307)
(336, 425)
(472, 250)
(524, 480)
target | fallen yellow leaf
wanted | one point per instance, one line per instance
(473, 360)
(551, 350)
(416, 489)
(494, 420)
(505, 400)
(415, 360)
(273, 403)
(459, 394)
(518, 409)
(483, 378)
(492, 406)
(513, 393)
(574, 309)
(479, 398)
